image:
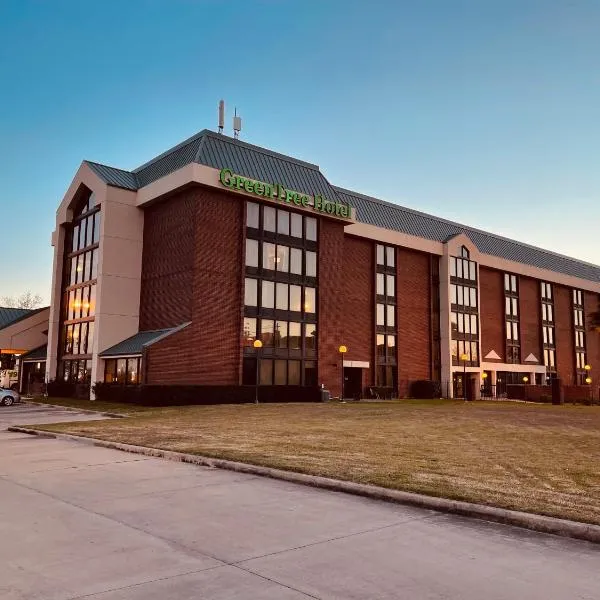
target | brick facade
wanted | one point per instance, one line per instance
(358, 303)
(491, 313)
(413, 315)
(530, 318)
(592, 339)
(564, 332)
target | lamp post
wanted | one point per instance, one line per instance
(464, 358)
(484, 377)
(588, 379)
(342, 350)
(257, 345)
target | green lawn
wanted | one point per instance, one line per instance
(530, 457)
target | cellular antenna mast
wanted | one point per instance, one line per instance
(237, 124)
(221, 115)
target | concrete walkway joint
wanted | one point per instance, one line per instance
(540, 523)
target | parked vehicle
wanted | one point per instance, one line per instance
(9, 397)
(9, 379)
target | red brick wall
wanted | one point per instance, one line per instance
(168, 361)
(331, 330)
(592, 340)
(357, 301)
(202, 240)
(564, 332)
(493, 329)
(413, 315)
(530, 307)
(167, 262)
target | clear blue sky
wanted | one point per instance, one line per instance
(483, 111)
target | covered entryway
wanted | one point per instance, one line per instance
(353, 378)
(33, 372)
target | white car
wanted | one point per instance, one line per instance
(9, 397)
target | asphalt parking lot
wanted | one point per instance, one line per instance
(79, 521)
(25, 413)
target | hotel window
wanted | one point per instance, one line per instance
(511, 317)
(580, 337)
(80, 273)
(126, 371)
(548, 334)
(385, 317)
(280, 297)
(464, 314)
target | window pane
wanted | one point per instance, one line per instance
(380, 284)
(283, 222)
(69, 339)
(82, 234)
(283, 259)
(110, 371)
(550, 317)
(473, 324)
(545, 334)
(266, 372)
(282, 296)
(391, 315)
(269, 216)
(252, 214)
(381, 314)
(453, 295)
(390, 285)
(96, 227)
(281, 334)
(474, 352)
(79, 268)
(507, 282)
(90, 337)
(251, 253)
(295, 337)
(460, 299)
(513, 283)
(452, 266)
(467, 324)
(94, 270)
(249, 331)
(296, 225)
(390, 253)
(549, 290)
(294, 372)
(515, 332)
(544, 312)
(76, 338)
(310, 336)
(309, 300)
(75, 245)
(310, 373)
(461, 323)
(472, 271)
(250, 292)
(296, 261)
(473, 293)
(83, 342)
(268, 294)
(381, 345)
(89, 240)
(121, 370)
(73, 277)
(77, 304)
(507, 305)
(295, 298)
(453, 322)
(88, 266)
(454, 349)
(132, 371)
(269, 256)
(459, 269)
(311, 229)
(515, 307)
(311, 264)
(380, 255)
(391, 344)
(280, 372)
(92, 300)
(267, 332)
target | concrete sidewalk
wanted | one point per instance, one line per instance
(80, 521)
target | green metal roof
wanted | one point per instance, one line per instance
(135, 344)
(8, 316)
(36, 355)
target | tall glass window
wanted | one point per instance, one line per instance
(511, 317)
(580, 336)
(80, 272)
(280, 296)
(386, 372)
(548, 337)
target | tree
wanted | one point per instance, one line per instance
(27, 300)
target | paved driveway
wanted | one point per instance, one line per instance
(25, 414)
(78, 521)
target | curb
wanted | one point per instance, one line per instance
(533, 522)
(85, 411)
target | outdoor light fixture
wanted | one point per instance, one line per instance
(257, 345)
(588, 380)
(525, 379)
(484, 376)
(342, 350)
(588, 368)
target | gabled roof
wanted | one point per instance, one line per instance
(399, 218)
(136, 343)
(36, 355)
(220, 151)
(9, 316)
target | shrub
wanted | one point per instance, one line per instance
(63, 389)
(425, 389)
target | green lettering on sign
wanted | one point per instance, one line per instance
(276, 191)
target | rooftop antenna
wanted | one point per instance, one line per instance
(221, 115)
(237, 124)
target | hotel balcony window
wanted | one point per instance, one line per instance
(80, 273)
(511, 317)
(280, 296)
(548, 337)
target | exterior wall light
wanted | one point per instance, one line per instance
(258, 346)
(342, 350)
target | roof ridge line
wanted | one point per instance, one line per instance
(467, 227)
(171, 150)
(95, 162)
(266, 151)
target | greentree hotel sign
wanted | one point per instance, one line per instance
(275, 191)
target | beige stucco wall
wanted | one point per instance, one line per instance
(26, 334)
